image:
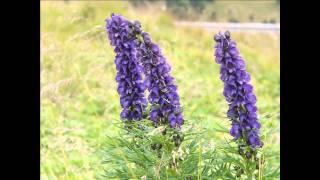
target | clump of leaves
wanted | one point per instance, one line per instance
(141, 151)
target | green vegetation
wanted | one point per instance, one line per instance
(79, 101)
(219, 11)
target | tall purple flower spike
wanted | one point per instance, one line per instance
(122, 35)
(163, 96)
(237, 91)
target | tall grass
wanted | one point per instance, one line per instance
(79, 102)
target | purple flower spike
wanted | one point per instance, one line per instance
(122, 35)
(237, 91)
(163, 96)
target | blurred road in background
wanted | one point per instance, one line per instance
(211, 26)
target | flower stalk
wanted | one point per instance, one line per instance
(239, 94)
(122, 36)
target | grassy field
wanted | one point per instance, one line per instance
(267, 11)
(79, 101)
(242, 11)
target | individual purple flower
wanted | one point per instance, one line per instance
(122, 35)
(163, 96)
(237, 91)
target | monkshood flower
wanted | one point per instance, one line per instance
(237, 91)
(122, 35)
(163, 96)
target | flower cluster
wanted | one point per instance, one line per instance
(237, 91)
(122, 35)
(163, 96)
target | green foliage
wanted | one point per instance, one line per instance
(180, 8)
(183, 5)
(141, 151)
(210, 10)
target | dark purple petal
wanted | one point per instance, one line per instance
(235, 131)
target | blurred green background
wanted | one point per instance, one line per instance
(79, 101)
(266, 11)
